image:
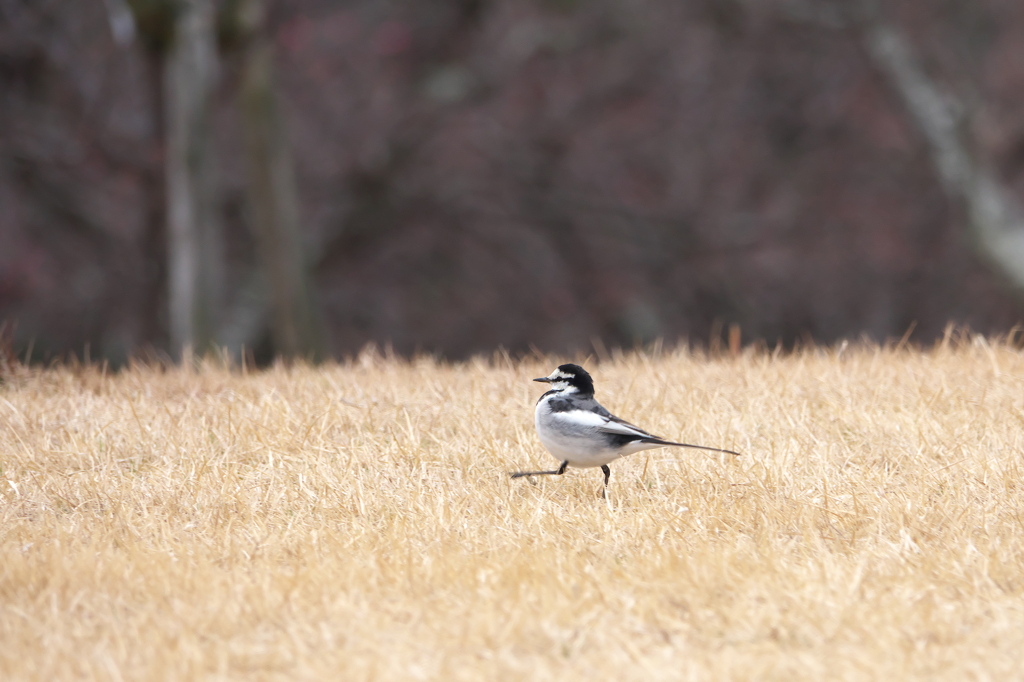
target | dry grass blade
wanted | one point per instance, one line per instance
(357, 522)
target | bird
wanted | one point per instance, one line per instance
(580, 432)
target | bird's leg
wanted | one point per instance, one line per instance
(557, 472)
(607, 475)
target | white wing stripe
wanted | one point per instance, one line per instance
(586, 418)
(616, 427)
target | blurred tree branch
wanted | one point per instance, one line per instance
(272, 195)
(183, 35)
(122, 22)
(995, 217)
(194, 249)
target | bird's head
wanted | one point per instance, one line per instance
(571, 378)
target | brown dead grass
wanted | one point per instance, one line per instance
(357, 522)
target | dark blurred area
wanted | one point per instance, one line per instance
(550, 174)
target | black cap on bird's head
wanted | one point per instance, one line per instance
(570, 376)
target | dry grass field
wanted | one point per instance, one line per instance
(356, 522)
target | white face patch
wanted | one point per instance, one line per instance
(559, 380)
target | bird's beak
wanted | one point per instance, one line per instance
(546, 380)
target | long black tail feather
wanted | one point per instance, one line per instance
(660, 441)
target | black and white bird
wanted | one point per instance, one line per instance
(580, 432)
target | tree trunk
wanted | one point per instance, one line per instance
(193, 230)
(273, 205)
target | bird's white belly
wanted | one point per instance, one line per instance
(577, 452)
(580, 448)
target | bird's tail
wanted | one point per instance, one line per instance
(661, 441)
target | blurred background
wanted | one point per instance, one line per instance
(304, 177)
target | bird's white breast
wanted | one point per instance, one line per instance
(573, 435)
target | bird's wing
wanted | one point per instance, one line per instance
(618, 426)
(586, 416)
(613, 424)
(590, 413)
(605, 422)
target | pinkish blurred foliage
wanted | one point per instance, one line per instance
(527, 173)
